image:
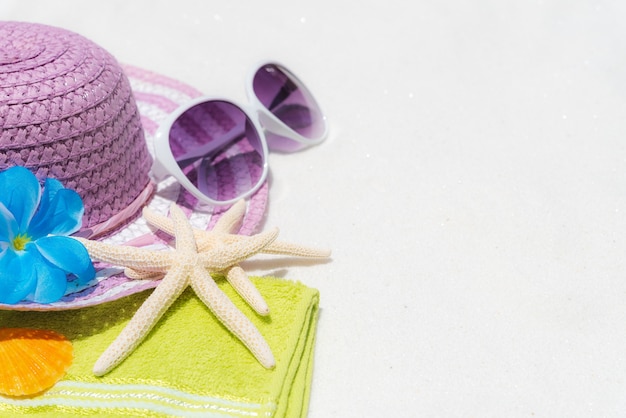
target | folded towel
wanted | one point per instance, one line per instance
(189, 365)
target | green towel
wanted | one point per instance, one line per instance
(189, 365)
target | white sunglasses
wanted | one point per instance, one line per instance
(217, 149)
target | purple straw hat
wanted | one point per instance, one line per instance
(69, 111)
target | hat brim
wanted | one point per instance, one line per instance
(156, 96)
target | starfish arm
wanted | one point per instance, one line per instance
(158, 221)
(225, 256)
(142, 322)
(205, 239)
(142, 274)
(127, 256)
(239, 280)
(286, 248)
(177, 226)
(185, 240)
(209, 239)
(232, 318)
(219, 235)
(230, 221)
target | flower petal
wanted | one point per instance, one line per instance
(39, 226)
(67, 254)
(51, 282)
(8, 224)
(50, 189)
(60, 213)
(18, 278)
(20, 194)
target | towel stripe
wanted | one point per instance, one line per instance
(81, 396)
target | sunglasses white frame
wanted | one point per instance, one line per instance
(262, 119)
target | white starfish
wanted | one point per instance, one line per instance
(183, 267)
(222, 234)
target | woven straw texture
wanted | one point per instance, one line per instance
(67, 111)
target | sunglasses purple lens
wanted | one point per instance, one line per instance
(283, 95)
(218, 149)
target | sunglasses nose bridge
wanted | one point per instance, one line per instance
(270, 123)
(279, 136)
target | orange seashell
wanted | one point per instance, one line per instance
(32, 360)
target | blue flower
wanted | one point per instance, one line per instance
(36, 255)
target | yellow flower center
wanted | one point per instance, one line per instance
(20, 241)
